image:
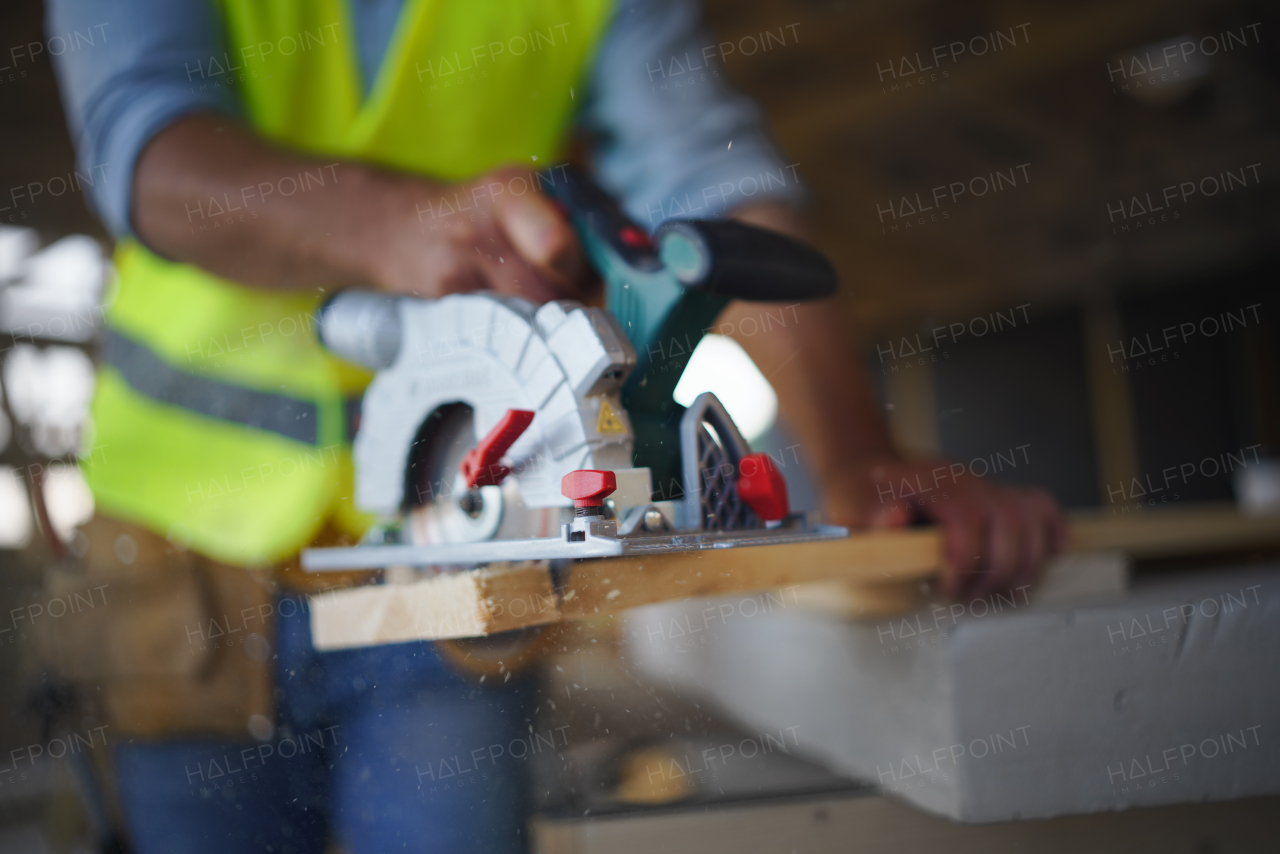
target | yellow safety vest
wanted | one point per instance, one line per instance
(218, 420)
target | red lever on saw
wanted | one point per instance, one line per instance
(481, 466)
(760, 484)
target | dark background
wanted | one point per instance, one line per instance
(1049, 102)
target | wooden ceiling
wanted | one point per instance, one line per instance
(1046, 101)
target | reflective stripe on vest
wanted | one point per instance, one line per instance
(464, 87)
(148, 374)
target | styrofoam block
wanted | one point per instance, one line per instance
(1065, 697)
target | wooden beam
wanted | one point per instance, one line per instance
(913, 410)
(483, 601)
(1195, 529)
(882, 563)
(499, 598)
(1114, 430)
(865, 558)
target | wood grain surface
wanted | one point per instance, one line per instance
(877, 569)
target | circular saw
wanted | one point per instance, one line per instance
(497, 430)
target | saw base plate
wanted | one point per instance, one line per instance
(598, 539)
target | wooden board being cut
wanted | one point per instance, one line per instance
(498, 598)
(1196, 529)
(883, 565)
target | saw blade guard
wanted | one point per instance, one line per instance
(564, 362)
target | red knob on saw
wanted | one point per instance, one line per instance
(588, 487)
(481, 466)
(761, 485)
(633, 236)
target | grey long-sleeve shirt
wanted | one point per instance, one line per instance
(658, 107)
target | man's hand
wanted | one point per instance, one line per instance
(996, 537)
(512, 239)
(209, 192)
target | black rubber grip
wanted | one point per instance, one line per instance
(756, 264)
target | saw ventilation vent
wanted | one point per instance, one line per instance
(722, 508)
(710, 450)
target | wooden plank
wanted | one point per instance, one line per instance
(1195, 529)
(1114, 425)
(500, 598)
(1096, 539)
(879, 566)
(495, 598)
(866, 558)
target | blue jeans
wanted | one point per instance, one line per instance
(384, 748)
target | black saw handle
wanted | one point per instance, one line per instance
(741, 261)
(723, 257)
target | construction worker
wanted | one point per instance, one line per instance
(260, 155)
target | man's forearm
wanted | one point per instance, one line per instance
(813, 363)
(354, 224)
(994, 537)
(325, 236)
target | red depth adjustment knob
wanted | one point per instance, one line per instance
(588, 489)
(760, 484)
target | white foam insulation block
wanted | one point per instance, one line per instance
(1003, 709)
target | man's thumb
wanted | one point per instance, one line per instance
(541, 234)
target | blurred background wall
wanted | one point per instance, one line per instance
(1052, 130)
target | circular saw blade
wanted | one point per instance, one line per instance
(444, 510)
